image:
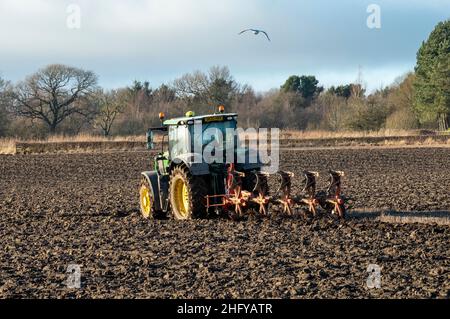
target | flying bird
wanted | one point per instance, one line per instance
(256, 32)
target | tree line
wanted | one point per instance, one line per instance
(60, 99)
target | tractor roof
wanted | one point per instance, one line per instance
(216, 117)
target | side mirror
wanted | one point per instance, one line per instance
(150, 144)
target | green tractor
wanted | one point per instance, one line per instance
(184, 184)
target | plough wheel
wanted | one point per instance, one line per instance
(287, 206)
(284, 191)
(256, 183)
(339, 210)
(239, 202)
(263, 204)
(335, 202)
(311, 207)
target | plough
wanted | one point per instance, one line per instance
(239, 200)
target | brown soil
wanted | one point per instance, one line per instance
(58, 209)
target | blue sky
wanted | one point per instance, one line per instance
(159, 40)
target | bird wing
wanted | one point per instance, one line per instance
(245, 31)
(266, 34)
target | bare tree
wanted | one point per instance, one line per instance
(333, 109)
(4, 104)
(108, 108)
(54, 93)
(192, 85)
(2, 85)
(211, 89)
(5, 88)
(164, 94)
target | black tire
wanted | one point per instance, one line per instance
(196, 190)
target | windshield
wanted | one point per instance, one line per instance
(221, 133)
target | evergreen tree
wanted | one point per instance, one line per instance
(432, 86)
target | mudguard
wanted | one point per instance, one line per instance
(188, 160)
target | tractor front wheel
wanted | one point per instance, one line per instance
(147, 202)
(187, 194)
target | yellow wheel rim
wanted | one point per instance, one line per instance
(181, 196)
(146, 201)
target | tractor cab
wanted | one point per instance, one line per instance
(185, 139)
(192, 135)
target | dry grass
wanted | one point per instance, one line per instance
(429, 141)
(345, 134)
(88, 138)
(318, 134)
(7, 146)
(284, 134)
(395, 143)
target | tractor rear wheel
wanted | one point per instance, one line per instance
(147, 202)
(187, 194)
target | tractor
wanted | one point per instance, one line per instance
(185, 185)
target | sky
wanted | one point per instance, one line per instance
(159, 40)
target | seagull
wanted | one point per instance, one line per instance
(256, 32)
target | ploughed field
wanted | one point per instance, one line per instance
(61, 209)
